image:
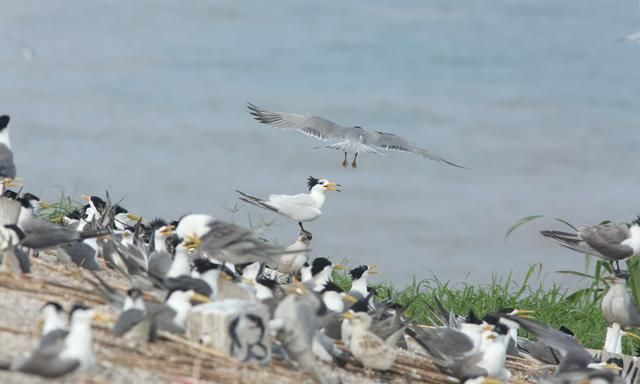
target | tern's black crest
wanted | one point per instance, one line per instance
(491, 319)
(267, 282)
(4, 121)
(119, 209)
(473, 319)
(330, 286)
(10, 194)
(311, 181)
(31, 196)
(75, 215)
(77, 307)
(157, 223)
(134, 293)
(24, 202)
(98, 203)
(501, 329)
(361, 305)
(318, 265)
(55, 305)
(357, 272)
(203, 265)
(16, 229)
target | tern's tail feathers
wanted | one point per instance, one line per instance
(258, 202)
(569, 240)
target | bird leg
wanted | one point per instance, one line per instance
(301, 227)
(344, 163)
(353, 164)
(616, 266)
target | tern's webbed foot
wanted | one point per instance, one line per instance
(344, 163)
(354, 164)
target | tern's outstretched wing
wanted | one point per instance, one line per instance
(314, 126)
(392, 142)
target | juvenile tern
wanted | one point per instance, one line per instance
(618, 305)
(369, 349)
(7, 166)
(291, 262)
(607, 241)
(350, 140)
(302, 207)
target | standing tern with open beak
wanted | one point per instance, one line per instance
(302, 207)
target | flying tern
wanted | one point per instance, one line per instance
(302, 207)
(350, 140)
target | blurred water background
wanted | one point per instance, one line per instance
(147, 99)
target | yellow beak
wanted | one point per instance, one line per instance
(167, 230)
(199, 298)
(524, 313)
(347, 315)
(192, 242)
(86, 198)
(339, 267)
(373, 269)
(332, 186)
(7, 182)
(488, 327)
(491, 380)
(630, 334)
(44, 205)
(102, 318)
(349, 299)
(133, 217)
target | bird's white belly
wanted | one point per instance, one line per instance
(301, 213)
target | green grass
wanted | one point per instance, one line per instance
(555, 305)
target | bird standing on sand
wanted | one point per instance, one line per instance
(350, 140)
(58, 359)
(302, 207)
(610, 242)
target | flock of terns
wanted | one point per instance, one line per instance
(197, 258)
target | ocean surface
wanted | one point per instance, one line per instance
(147, 99)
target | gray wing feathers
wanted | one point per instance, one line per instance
(314, 126)
(7, 166)
(127, 320)
(606, 239)
(392, 142)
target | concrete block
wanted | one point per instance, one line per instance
(235, 327)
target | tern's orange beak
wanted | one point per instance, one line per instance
(332, 186)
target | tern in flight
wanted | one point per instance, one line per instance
(350, 140)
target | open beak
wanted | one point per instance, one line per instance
(373, 269)
(523, 313)
(332, 187)
(133, 217)
(167, 230)
(199, 298)
(349, 299)
(339, 267)
(347, 315)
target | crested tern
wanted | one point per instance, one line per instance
(224, 241)
(134, 323)
(610, 242)
(302, 207)
(58, 359)
(350, 140)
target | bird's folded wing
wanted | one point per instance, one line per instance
(222, 233)
(606, 239)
